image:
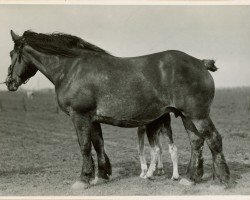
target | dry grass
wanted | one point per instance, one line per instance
(40, 154)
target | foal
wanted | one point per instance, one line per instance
(163, 127)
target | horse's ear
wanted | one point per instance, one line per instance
(14, 36)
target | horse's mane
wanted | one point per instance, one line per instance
(59, 43)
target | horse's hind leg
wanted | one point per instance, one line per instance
(167, 131)
(141, 132)
(201, 129)
(195, 167)
(214, 141)
(104, 166)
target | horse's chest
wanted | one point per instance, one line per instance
(79, 100)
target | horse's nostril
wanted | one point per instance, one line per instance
(7, 80)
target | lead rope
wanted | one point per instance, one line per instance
(3, 82)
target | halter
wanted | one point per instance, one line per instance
(20, 44)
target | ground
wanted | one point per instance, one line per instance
(40, 154)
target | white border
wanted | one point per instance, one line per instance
(129, 2)
(221, 197)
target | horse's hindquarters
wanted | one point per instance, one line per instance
(193, 95)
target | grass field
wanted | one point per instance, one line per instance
(40, 154)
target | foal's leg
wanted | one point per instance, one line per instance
(152, 131)
(104, 166)
(160, 170)
(195, 167)
(83, 129)
(167, 131)
(141, 131)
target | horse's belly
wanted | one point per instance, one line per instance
(129, 115)
(124, 122)
(119, 122)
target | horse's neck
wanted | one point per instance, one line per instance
(49, 65)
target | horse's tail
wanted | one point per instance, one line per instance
(209, 64)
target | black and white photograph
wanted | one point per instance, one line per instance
(107, 99)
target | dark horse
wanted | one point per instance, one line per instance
(94, 87)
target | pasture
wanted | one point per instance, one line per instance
(40, 154)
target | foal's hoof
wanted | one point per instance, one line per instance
(79, 185)
(175, 178)
(186, 182)
(143, 174)
(150, 175)
(160, 172)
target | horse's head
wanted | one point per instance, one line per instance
(21, 69)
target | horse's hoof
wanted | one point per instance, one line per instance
(217, 187)
(186, 182)
(160, 172)
(79, 185)
(94, 181)
(98, 181)
(230, 184)
(175, 178)
(223, 184)
(104, 175)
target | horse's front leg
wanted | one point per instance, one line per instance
(83, 129)
(104, 166)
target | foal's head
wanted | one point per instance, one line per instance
(20, 69)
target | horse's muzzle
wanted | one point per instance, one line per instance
(12, 84)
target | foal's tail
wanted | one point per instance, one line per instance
(209, 64)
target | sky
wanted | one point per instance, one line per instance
(205, 32)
